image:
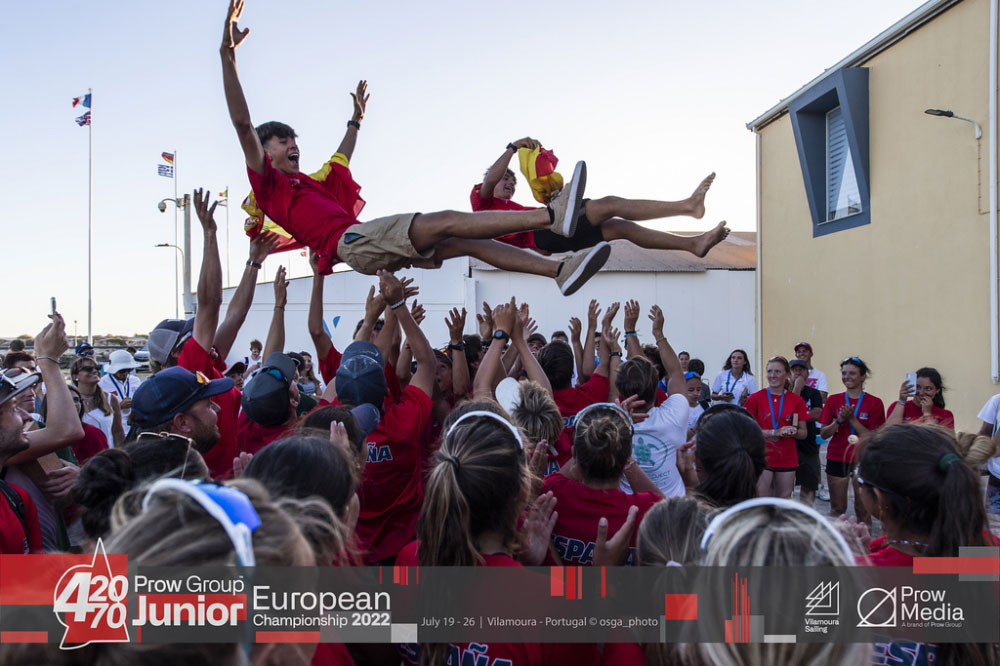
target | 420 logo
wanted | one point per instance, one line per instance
(90, 601)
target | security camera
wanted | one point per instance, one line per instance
(162, 206)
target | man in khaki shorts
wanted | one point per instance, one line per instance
(309, 209)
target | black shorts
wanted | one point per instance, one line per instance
(838, 468)
(807, 475)
(780, 469)
(587, 235)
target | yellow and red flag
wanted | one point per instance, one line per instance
(539, 168)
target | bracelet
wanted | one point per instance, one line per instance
(46, 358)
(395, 306)
(354, 123)
(631, 334)
(279, 307)
(253, 264)
(660, 339)
(511, 146)
(615, 354)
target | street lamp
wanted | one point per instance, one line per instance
(942, 113)
(185, 205)
(176, 311)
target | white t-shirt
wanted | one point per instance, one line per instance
(102, 422)
(655, 444)
(988, 414)
(724, 382)
(696, 412)
(817, 380)
(125, 389)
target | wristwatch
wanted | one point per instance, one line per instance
(501, 334)
(460, 346)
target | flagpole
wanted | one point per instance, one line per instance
(177, 312)
(229, 282)
(90, 218)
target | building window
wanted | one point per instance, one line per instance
(843, 197)
(830, 123)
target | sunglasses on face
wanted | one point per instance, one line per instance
(88, 368)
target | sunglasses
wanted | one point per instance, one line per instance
(88, 368)
(691, 375)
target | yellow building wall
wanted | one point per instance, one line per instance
(911, 288)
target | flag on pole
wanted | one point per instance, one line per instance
(165, 171)
(224, 198)
(82, 99)
(83, 120)
(168, 158)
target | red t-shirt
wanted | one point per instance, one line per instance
(479, 203)
(328, 364)
(516, 654)
(252, 437)
(871, 413)
(220, 457)
(391, 490)
(580, 508)
(13, 540)
(570, 401)
(304, 208)
(661, 397)
(913, 413)
(94, 441)
(783, 452)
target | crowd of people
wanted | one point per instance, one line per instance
(498, 447)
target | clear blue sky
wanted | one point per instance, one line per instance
(654, 95)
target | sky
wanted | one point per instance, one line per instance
(654, 95)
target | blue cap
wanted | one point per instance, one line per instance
(83, 347)
(166, 336)
(171, 392)
(265, 395)
(361, 375)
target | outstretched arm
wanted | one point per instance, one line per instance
(671, 364)
(354, 124)
(394, 294)
(210, 279)
(320, 339)
(261, 246)
(276, 334)
(460, 381)
(499, 167)
(239, 112)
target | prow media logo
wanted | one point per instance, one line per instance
(877, 608)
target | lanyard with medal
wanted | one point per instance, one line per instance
(857, 407)
(781, 408)
(735, 382)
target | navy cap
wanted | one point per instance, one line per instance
(798, 363)
(166, 336)
(298, 358)
(265, 396)
(82, 347)
(366, 417)
(171, 392)
(361, 375)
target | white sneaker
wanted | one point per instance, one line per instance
(823, 494)
(580, 266)
(567, 205)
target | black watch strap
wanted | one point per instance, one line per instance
(501, 334)
(457, 347)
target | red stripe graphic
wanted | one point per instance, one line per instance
(24, 637)
(957, 565)
(556, 581)
(681, 606)
(571, 582)
(287, 637)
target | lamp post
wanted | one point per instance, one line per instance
(176, 310)
(942, 113)
(185, 205)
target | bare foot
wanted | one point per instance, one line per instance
(697, 200)
(710, 239)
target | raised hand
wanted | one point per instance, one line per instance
(280, 288)
(485, 322)
(574, 329)
(390, 287)
(631, 315)
(906, 390)
(593, 312)
(417, 312)
(610, 338)
(266, 242)
(360, 101)
(206, 213)
(610, 315)
(504, 316)
(527, 142)
(52, 342)
(240, 463)
(409, 290)
(611, 552)
(232, 36)
(656, 316)
(536, 530)
(374, 304)
(455, 321)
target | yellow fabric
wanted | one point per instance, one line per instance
(257, 216)
(542, 187)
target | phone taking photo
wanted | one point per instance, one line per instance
(911, 379)
(53, 300)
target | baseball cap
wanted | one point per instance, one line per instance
(172, 391)
(366, 417)
(120, 360)
(167, 335)
(802, 344)
(798, 363)
(297, 358)
(265, 396)
(537, 337)
(84, 347)
(237, 368)
(21, 382)
(361, 376)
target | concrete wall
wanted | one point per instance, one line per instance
(910, 289)
(708, 314)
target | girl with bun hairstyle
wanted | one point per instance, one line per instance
(782, 416)
(477, 489)
(602, 449)
(848, 419)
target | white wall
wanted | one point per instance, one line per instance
(708, 314)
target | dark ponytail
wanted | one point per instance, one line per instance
(926, 487)
(731, 453)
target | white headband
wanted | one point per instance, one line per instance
(781, 503)
(489, 415)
